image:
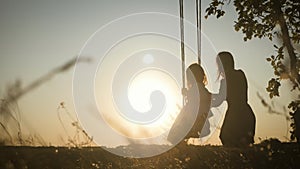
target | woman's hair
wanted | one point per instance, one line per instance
(225, 62)
(195, 73)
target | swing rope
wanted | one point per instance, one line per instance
(198, 17)
(182, 47)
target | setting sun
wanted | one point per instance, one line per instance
(141, 99)
(144, 83)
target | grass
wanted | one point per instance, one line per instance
(268, 154)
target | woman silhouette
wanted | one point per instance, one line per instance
(238, 128)
(197, 106)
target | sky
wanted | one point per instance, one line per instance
(37, 36)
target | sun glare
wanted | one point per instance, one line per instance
(141, 87)
(127, 79)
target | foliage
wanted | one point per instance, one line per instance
(258, 18)
(80, 137)
(10, 120)
(10, 117)
(270, 19)
(295, 116)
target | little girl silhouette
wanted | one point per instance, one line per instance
(196, 109)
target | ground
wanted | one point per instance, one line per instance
(268, 154)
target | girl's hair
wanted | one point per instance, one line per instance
(196, 73)
(225, 62)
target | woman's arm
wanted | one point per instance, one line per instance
(217, 99)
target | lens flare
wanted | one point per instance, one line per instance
(131, 92)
